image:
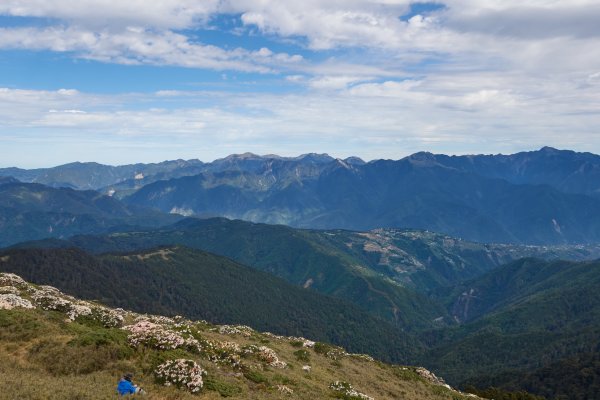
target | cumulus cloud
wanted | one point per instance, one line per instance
(139, 46)
(482, 34)
(164, 14)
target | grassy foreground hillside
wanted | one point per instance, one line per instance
(54, 346)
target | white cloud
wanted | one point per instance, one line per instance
(371, 120)
(493, 34)
(138, 46)
(334, 82)
(385, 89)
(163, 14)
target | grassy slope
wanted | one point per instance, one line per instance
(44, 357)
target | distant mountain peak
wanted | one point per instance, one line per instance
(316, 157)
(242, 156)
(273, 156)
(423, 158)
(353, 160)
(550, 150)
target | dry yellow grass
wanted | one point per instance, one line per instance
(21, 378)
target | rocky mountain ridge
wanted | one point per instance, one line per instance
(547, 196)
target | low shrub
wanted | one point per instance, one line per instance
(223, 388)
(181, 373)
(17, 325)
(255, 376)
(302, 355)
(67, 359)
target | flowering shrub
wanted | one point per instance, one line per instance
(10, 300)
(293, 340)
(271, 335)
(346, 391)
(48, 299)
(243, 330)
(431, 377)
(158, 336)
(265, 354)
(78, 310)
(9, 290)
(157, 319)
(284, 389)
(7, 279)
(180, 373)
(225, 353)
(109, 318)
(333, 352)
(300, 342)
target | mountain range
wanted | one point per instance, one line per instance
(542, 197)
(30, 211)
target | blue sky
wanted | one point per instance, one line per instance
(121, 82)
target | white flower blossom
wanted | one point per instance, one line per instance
(284, 389)
(10, 300)
(266, 355)
(7, 279)
(243, 330)
(9, 290)
(348, 391)
(181, 373)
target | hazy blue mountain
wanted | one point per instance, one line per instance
(565, 170)
(7, 179)
(123, 179)
(30, 211)
(541, 197)
(410, 193)
(91, 175)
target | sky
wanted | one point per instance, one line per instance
(120, 82)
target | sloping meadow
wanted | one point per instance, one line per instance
(54, 346)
